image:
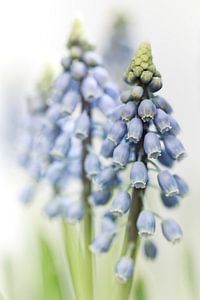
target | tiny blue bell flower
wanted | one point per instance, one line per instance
(82, 126)
(112, 90)
(62, 82)
(171, 231)
(146, 223)
(107, 148)
(162, 121)
(175, 128)
(150, 250)
(106, 104)
(165, 159)
(105, 178)
(182, 185)
(92, 165)
(169, 202)
(147, 110)
(72, 210)
(61, 147)
(115, 114)
(69, 102)
(102, 242)
(28, 194)
(139, 175)
(161, 103)
(168, 183)
(174, 147)
(100, 74)
(128, 111)
(120, 204)
(91, 58)
(54, 171)
(52, 208)
(125, 96)
(117, 132)
(54, 113)
(89, 89)
(124, 269)
(78, 70)
(108, 223)
(121, 155)
(135, 130)
(137, 92)
(100, 197)
(155, 84)
(152, 145)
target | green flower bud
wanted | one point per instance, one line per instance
(141, 67)
(146, 76)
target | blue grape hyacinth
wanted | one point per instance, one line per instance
(60, 147)
(142, 141)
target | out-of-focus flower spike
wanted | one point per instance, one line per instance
(72, 210)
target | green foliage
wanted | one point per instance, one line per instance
(50, 279)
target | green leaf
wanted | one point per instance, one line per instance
(139, 290)
(50, 278)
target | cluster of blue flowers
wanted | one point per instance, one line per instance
(119, 46)
(58, 139)
(142, 135)
(65, 131)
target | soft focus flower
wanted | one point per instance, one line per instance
(124, 268)
(171, 231)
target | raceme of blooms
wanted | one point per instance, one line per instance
(142, 139)
(119, 46)
(58, 147)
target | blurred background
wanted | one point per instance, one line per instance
(33, 35)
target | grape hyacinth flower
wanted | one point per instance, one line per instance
(97, 151)
(147, 131)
